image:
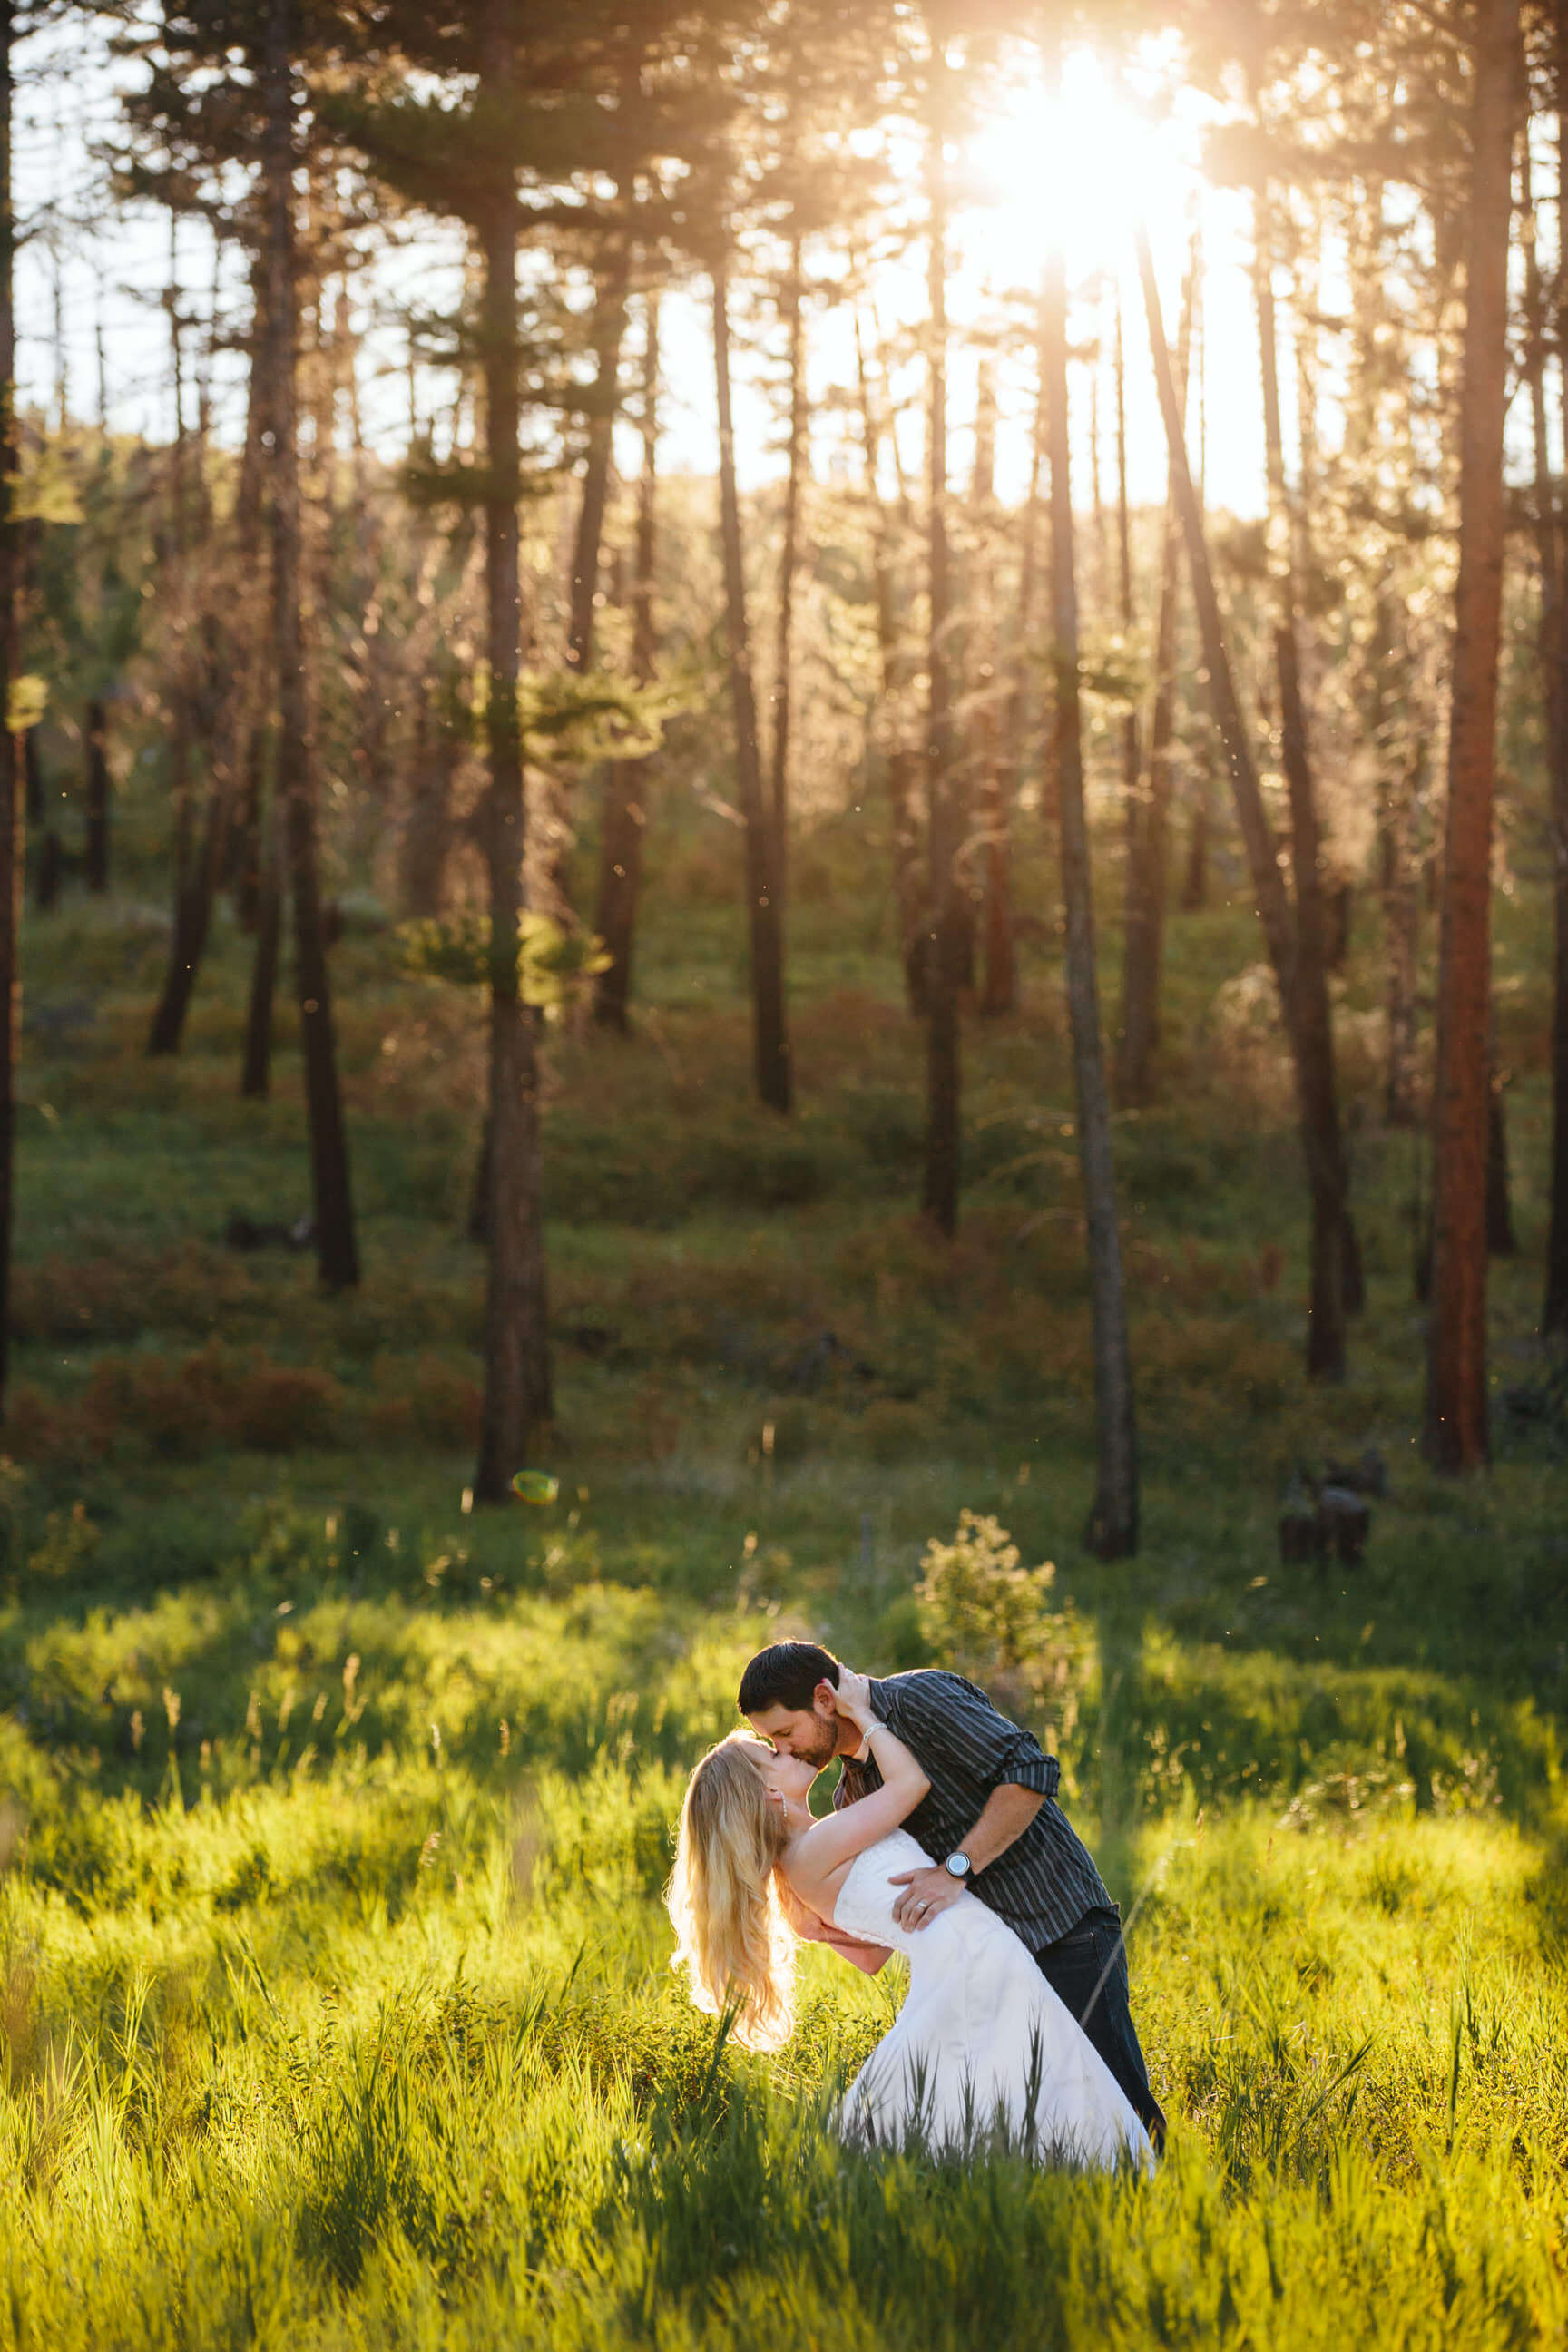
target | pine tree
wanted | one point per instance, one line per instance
(1457, 1432)
(13, 837)
(1112, 1530)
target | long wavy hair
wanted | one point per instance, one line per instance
(730, 1935)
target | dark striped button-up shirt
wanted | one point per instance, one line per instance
(1044, 1882)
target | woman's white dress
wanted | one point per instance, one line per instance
(982, 2043)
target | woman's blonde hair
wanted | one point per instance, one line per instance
(731, 1933)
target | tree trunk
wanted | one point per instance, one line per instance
(992, 889)
(13, 837)
(1196, 867)
(582, 588)
(517, 1386)
(255, 1074)
(899, 757)
(193, 921)
(1131, 746)
(424, 846)
(96, 858)
(33, 775)
(1401, 895)
(789, 557)
(773, 1072)
(946, 938)
(249, 704)
(609, 332)
(167, 1027)
(625, 820)
(1325, 1337)
(1457, 1431)
(337, 1256)
(1112, 1531)
(1020, 713)
(1555, 1308)
(246, 850)
(49, 871)
(1148, 812)
(1336, 1285)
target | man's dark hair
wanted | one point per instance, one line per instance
(786, 1675)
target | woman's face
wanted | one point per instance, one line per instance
(789, 1777)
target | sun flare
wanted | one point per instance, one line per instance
(1082, 164)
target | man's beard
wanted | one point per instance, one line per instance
(827, 1749)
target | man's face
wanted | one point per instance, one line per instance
(810, 1733)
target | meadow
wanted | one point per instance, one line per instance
(334, 1999)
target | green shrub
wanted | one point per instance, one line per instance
(980, 1608)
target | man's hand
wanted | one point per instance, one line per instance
(926, 1892)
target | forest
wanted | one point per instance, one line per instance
(783, 852)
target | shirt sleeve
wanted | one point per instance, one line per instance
(942, 1715)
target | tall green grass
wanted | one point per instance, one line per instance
(390, 2055)
(334, 1999)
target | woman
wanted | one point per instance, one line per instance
(981, 2042)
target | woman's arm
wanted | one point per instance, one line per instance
(829, 1846)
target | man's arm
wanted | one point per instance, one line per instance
(1007, 1812)
(1005, 1816)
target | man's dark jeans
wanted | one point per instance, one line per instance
(1088, 1972)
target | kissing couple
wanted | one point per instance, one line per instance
(945, 1843)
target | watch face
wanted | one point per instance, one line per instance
(957, 1865)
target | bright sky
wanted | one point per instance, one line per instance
(90, 269)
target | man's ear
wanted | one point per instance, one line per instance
(824, 1698)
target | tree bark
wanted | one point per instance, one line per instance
(255, 1072)
(193, 921)
(1554, 649)
(609, 332)
(96, 844)
(993, 886)
(1313, 1081)
(1020, 718)
(1132, 745)
(186, 932)
(1401, 896)
(337, 1255)
(424, 846)
(771, 1050)
(945, 939)
(518, 1385)
(32, 772)
(1457, 1432)
(1112, 1531)
(250, 708)
(1196, 867)
(789, 557)
(1149, 803)
(899, 755)
(13, 837)
(1336, 1285)
(49, 865)
(625, 819)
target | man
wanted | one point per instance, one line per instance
(990, 1819)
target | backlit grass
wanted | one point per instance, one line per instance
(334, 1999)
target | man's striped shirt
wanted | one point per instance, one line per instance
(1044, 1882)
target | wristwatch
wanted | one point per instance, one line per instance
(959, 1866)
